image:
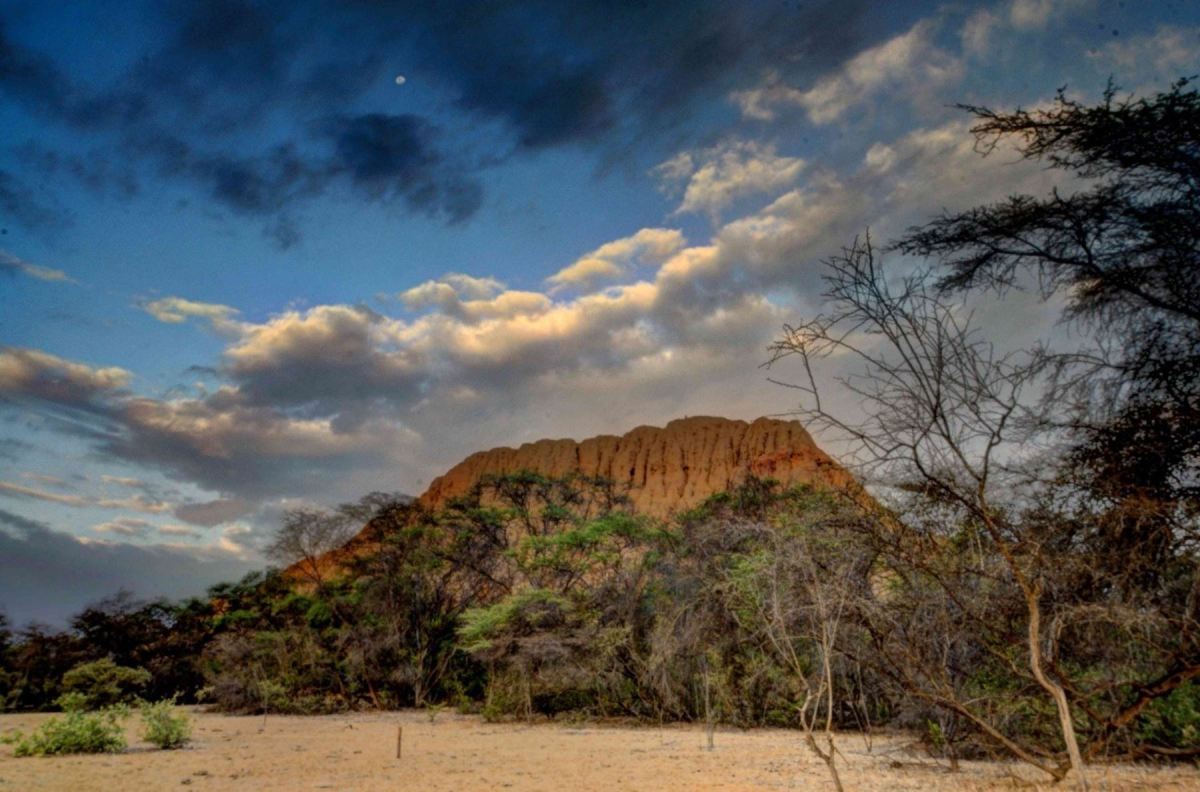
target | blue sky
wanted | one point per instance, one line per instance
(259, 254)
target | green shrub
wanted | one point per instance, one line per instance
(72, 702)
(163, 726)
(480, 626)
(1173, 721)
(104, 683)
(75, 732)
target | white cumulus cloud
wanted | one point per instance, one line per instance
(712, 179)
(615, 259)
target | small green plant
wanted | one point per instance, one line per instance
(72, 702)
(75, 732)
(433, 710)
(163, 726)
(936, 736)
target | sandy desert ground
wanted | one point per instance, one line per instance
(358, 752)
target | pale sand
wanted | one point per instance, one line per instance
(358, 752)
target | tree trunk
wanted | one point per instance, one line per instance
(828, 757)
(1032, 597)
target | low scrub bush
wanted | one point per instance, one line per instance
(75, 732)
(164, 726)
(72, 702)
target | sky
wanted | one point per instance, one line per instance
(256, 255)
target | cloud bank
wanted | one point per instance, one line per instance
(777, 135)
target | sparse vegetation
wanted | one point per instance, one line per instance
(164, 726)
(75, 731)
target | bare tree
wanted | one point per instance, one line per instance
(307, 537)
(942, 414)
(794, 586)
(800, 607)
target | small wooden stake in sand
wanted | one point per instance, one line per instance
(399, 739)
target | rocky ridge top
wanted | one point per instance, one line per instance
(662, 469)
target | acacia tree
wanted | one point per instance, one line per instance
(565, 564)
(944, 416)
(308, 536)
(794, 590)
(1123, 253)
(305, 538)
(413, 594)
(1099, 534)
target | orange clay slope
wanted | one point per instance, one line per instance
(662, 470)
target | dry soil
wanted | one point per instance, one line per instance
(358, 752)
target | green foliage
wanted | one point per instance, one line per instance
(1173, 721)
(936, 736)
(103, 683)
(75, 732)
(563, 605)
(481, 626)
(285, 671)
(319, 614)
(73, 702)
(504, 698)
(164, 726)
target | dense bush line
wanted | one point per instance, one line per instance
(536, 597)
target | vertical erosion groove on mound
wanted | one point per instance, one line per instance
(663, 470)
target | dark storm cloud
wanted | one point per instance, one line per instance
(387, 156)
(386, 159)
(561, 73)
(33, 79)
(20, 525)
(20, 205)
(254, 185)
(47, 575)
(95, 170)
(11, 448)
(214, 512)
(295, 76)
(225, 67)
(222, 442)
(383, 158)
(498, 59)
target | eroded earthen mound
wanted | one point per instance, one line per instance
(662, 469)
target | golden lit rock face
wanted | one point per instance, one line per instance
(667, 469)
(663, 470)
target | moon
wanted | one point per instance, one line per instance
(401, 79)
